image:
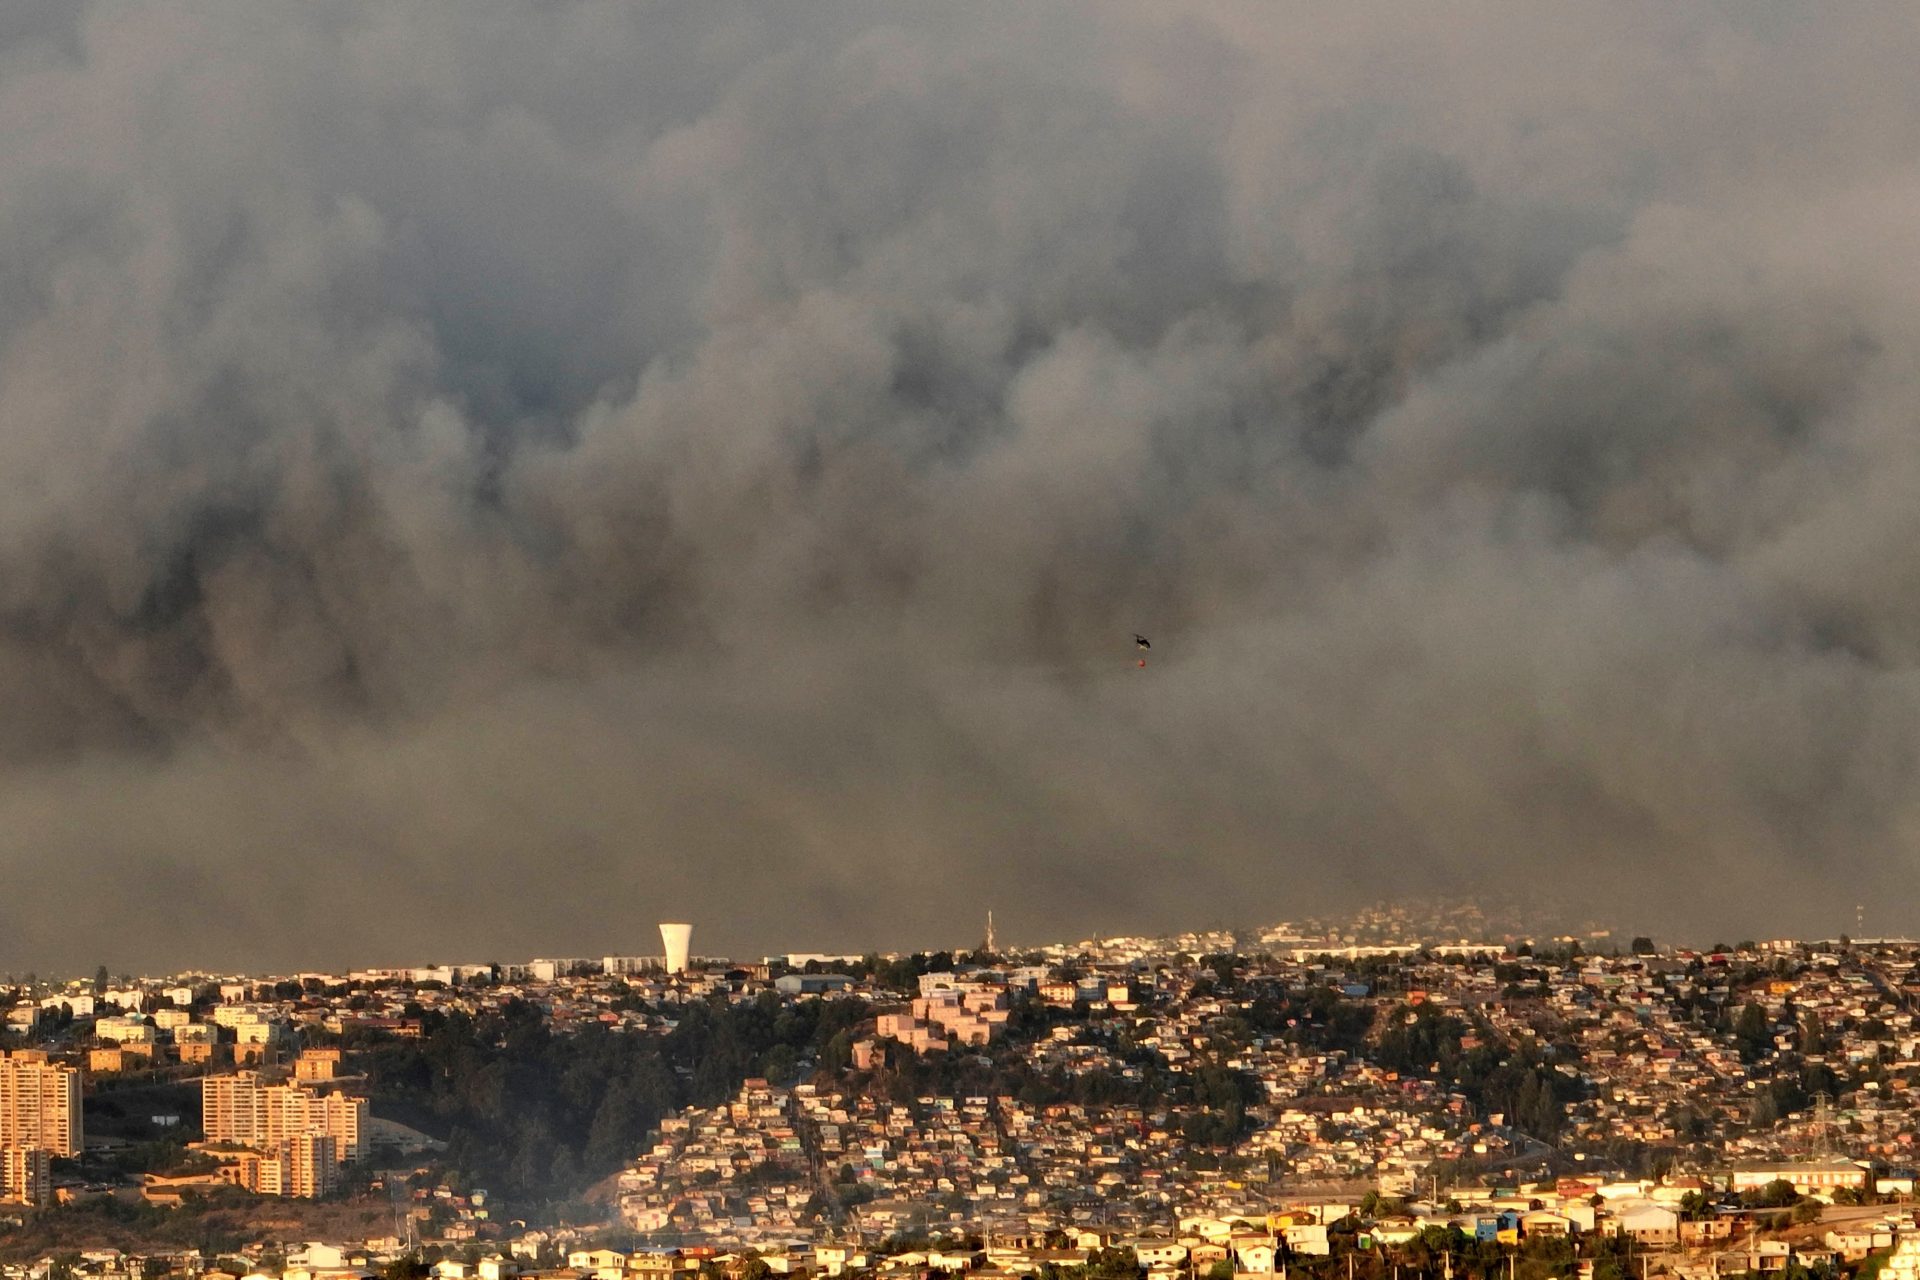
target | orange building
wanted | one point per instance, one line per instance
(40, 1103)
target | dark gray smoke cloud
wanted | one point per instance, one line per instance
(475, 480)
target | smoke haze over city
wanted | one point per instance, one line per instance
(477, 480)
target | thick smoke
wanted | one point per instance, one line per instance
(475, 480)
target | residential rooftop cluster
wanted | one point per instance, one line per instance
(1205, 1101)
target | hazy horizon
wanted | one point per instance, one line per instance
(472, 475)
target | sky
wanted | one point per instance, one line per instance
(479, 479)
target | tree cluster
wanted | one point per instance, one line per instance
(542, 1115)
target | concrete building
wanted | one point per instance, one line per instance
(1904, 1262)
(123, 1030)
(1808, 1177)
(678, 941)
(1646, 1222)
(199, 1043)
(40, 1103)
(108, 1059)
(303, 1168)
(551, 970)
(172, 1019)
(231, 1108)
(245, 1110)
(341, 1118)
(316, 1066)
(26, 1176)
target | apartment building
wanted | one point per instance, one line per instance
(304, 1168)
(39, 1103)
(247, 1110)
(26, 1176)
(316, 1066)
(341, 1117)
(233, 1108)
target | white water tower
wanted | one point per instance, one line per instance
(678, 940)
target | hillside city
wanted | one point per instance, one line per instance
(1419, 1090)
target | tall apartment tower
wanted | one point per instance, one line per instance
(306, 1168)
(26, 1176)
(340, 1117)
(39, 1103)
(233, 1109)
(244, 1109)
(678, 940)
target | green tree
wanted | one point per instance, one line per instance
(411, 1267)
(1777, 1194)
(613, 1139)
(1813, 1036)
(1114, 1264)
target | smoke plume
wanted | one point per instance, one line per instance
(477, 480)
